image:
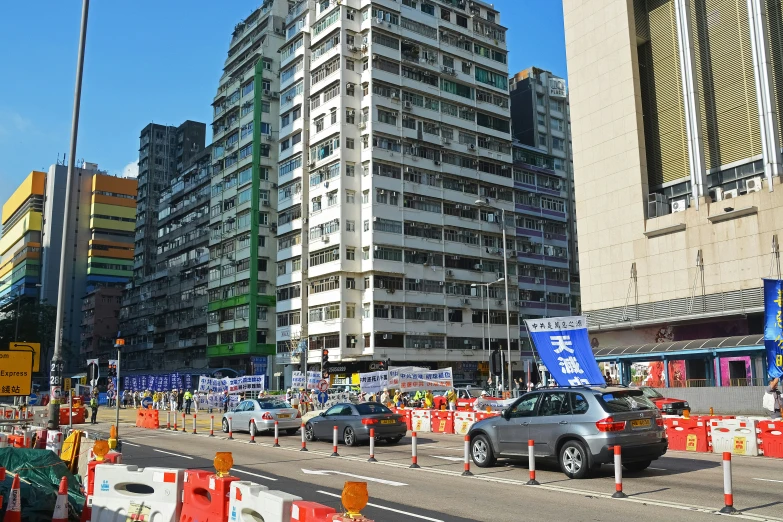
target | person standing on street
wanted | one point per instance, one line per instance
(187, 398)
(451, 398)
(773, 402)
(226, 401)
(94, 407)
(180, 399)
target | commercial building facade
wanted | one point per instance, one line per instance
(677, 142)
(395, 165)
(163, 150)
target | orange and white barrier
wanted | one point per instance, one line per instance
(737, 436)
(123, 492)
(303, 511)
(442, 422)
(205, 496)
(770, 437)
(463, 420)
(421, 420)
(250, 501)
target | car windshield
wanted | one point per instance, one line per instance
(650, 393)
(370, 408)
(272, 404)
(630, 400)
(475, 392)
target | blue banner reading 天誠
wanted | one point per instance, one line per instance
(773, 326)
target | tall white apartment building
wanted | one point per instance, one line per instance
(394, 168)
(240, 320)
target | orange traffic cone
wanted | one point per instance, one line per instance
(61, 505)
(13, 512)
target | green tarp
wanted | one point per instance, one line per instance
(39, 472)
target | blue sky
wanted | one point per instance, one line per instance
(153, 60)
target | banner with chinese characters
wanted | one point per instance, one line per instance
(773, 326)
(373, 382)
(411, 379)
(564, 348)
(312, 380)
(297, 380)
(234, 385)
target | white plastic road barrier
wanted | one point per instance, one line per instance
(252, 431)
(463, 420)
(372, 446)
(126, 492)
(277, 437)
(249, 501)
(211, 425)
(467, 472)
(230, 430)
(421, 420)
(304, 442)
(334, 442)
(168, 420)
(3, 440)
(618, 473)
(54, 441)
(737, 436)
(194, 424)
(414, 453)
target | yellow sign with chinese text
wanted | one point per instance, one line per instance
(35, 348)
(16, 373)
(691, 443)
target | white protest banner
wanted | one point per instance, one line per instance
(418, 379)
(245, 383)
(482, 403)
(373, 382)
(313, 378)
(297, 380)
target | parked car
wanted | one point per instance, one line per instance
(354, 422)
(577, 426)
(667, 405)
(264, 412)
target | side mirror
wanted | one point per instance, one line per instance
(321, 414)
(506, 413)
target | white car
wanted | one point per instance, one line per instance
(264, 412)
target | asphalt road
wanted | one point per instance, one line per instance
(679, 486)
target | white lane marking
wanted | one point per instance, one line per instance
(658, 469)
(372, 479)
(769, 480)
(174, 454)
(254, 474)
(455, 459)
(387, 508)
(130, 444)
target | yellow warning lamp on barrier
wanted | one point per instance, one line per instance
(223, 463)
(712, 412)
(355, 498)
(101, 448)
(113, 437)
(489, 409)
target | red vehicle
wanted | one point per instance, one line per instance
(667, 405)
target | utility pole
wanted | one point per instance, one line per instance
(56, 372)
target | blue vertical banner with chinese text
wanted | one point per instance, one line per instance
(564, 348)
(773, 326)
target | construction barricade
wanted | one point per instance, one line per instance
(770, 438)
(205, 496)
(421, 420)
(303, 511)
(76, 415)
(250, 501)
(481, 415)
(737, 436)
(153, 419)
(463, 420)
(123, 493)
(141, 418)
(687, 434)
(442, 422)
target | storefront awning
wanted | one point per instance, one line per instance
(670, 350)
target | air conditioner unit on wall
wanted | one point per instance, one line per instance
(753, 184)
(680, 205)
(729, 194)
(657, 209)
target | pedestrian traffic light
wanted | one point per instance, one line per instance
(325, 357)
(112, 369)
(325, 364)
(495, 363)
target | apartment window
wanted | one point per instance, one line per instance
(366, 225)
(558, 125)
(556, 105)
(350, 255)
(349, 143)
(456, 88)
(350, 225)
(350, 170)
(365, 197)
(540, 100)
(542, 141)
(462, 21)
(541, 119)
(448, 61)
(319, 124)
(350, 196)
(350, 310)
(558, 143)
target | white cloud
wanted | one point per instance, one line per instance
(131, 170)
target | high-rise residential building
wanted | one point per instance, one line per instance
(394, 169)
(676, 130)
(162, 151)
(20, 244)
(540, 118)
(182, 257)
(243, 223)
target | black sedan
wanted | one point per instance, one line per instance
(354, 422)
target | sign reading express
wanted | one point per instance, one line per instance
(16, 373)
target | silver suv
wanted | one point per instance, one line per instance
(578, 426)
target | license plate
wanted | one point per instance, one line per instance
(641, 423)
(283, 415)
(388, 421)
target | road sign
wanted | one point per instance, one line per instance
(323, 385)
(322, 397)
(16, 373)
(67, 383)
(35, 348)
(33, 399)
(145, 402)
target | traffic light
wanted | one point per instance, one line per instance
(496, 363)
(112, 369)
(325, 364)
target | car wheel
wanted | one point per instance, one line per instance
(394, 440)
(481, 451)
(573, 460)
(640, 465)
(309, 434)
(252, 429)
(225, 425)
(349, 437)
(292, 431)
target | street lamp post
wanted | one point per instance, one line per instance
(489, 330)
(485, 203)
(56, 377)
